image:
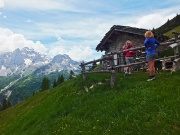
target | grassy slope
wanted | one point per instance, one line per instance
(169, 33)
(133, 106)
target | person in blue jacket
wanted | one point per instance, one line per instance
(151, 44)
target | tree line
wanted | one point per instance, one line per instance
(45, 85)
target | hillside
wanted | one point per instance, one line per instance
(169, 33)
(133, 106)
(22, 71)
(27, 85)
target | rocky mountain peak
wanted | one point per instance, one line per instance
(59, 58)
(28, 60)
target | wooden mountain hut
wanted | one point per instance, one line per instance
(117, 36)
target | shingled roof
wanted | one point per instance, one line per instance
(124, 29)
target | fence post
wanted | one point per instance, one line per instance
(83, 71)
(175, 36)
(176, 49)
(113, 78)
(113, 72)
(111, 60)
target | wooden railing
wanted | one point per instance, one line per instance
(112, 66)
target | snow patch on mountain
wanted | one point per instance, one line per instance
(2, 67)
(27, 61)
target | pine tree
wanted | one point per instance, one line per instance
(55, 83)
(45, 84)
(0, 106)
(5, 104)
(60, 79)
(71, 74)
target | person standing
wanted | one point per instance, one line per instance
(151, 44)
(129, 56)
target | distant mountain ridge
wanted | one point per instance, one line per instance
(58, 63)
(22, 71)
(27, 61)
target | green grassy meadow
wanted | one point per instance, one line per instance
(170, 34)
(132, 107)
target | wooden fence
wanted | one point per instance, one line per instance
(109, 61)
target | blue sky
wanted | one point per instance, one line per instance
(75, 27)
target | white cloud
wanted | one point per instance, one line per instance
(63, 5)
(28, 20)
(1, 3)
(77, 52)
(82, 50)
(91, 27)
(148, 21)
(33, 4)
(78, 6)
(58, 37)
(154, 20)
(10, 41)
